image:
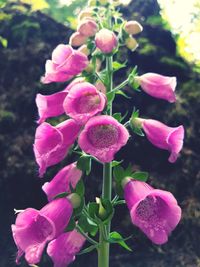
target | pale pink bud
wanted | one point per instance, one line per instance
(77, 39)
(101, 87)
(131, 43)
(106, 40)
(83, 49)
(88, 27)
(133, 27)
(85, 14)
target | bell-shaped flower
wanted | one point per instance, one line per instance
(52, 143)
(66, 63)
(83, 102)
(158, 86)
(77, 39)
(164, 137)
(88, 27)
(63, 249)
(154, 211)
(102, 137)
(106, 41)
(33, 228)
(133, 27)
(66, 177)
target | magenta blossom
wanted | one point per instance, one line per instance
(69, 175)
(63, 249)
(83, 102)
(106, 41)
(33, 228)
(102, 137)
(164, 137)
(158, 86)
(154, 211)
(52, 143)
(66, 63)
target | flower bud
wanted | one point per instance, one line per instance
(131, 43)
(75, 200)
(101, 87)
(88, 27)
(106, 40)
(77, 39)
(133, 27)
(92, 3)
(85, 13)
(83, 49)
(103, 2)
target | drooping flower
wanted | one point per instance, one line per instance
(77, 39)
(33, 228)
(158, 86)
(106, 41)
(63, 249)
(83, 102)
(69, 175)
(131, 43)
(133, 27)
(88, 27)
(66, 63)
(102, 137)
(154, 211)
(52, 143)
(164, 137)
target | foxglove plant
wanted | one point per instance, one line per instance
(92, 132)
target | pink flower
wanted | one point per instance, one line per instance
(83, 102)
(63, 249)
(69, 175)
(164, 137)
(33, 228)
(106, 41)
(88, 27)
(52, 143)
(158, 86)
(77, 39)
(102, 137)
(154, 211)
(133, 27)
(66, 63)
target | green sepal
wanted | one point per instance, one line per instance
(80, 188)
(87, 250)
(108, 211)
(117, 65)
(84, 163)
(116, 163)
(87, 225)
(137, 129)
(71, 225)
(119, 92)
(61, 195)
(115, 237)
(140, 176)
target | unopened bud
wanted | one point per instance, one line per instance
(77, 39)
(83, 49)
(106, 40)
(101, 87)
(131, 43)
(133, 27)
(125, 181)
(103, 2)
(88, 27)
(85, 14)
(75, 200)
(92, 3)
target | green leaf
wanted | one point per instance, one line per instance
(87, 250)
(61, 195)
(117, 65)
(4, 42)
(71, 225)
(115, 237)
(140, 176)
(87, 225)
(116, 163)
(80, 188)
(118, 116)
(118, 173)
(84, 164)
(119, 92)
(110, 97)
(108, 210)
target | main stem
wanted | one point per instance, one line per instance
(103, 251)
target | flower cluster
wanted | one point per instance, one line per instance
(89, 129)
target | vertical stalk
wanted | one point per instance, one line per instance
(104, 247)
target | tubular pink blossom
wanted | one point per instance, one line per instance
(102, 137)
(83, 102)
(88, 27)
(158, 86)
(63, 249)
(33, 229)
(66, 63)
(106, 40)
(52, 143)
(164, 137)
(67, 176)
(77, 39)
(50, 105)
(154, 211)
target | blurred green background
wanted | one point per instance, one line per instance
(169, 45)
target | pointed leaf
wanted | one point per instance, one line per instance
(87, 250)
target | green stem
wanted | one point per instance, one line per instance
(121, 85)
(104, 246)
